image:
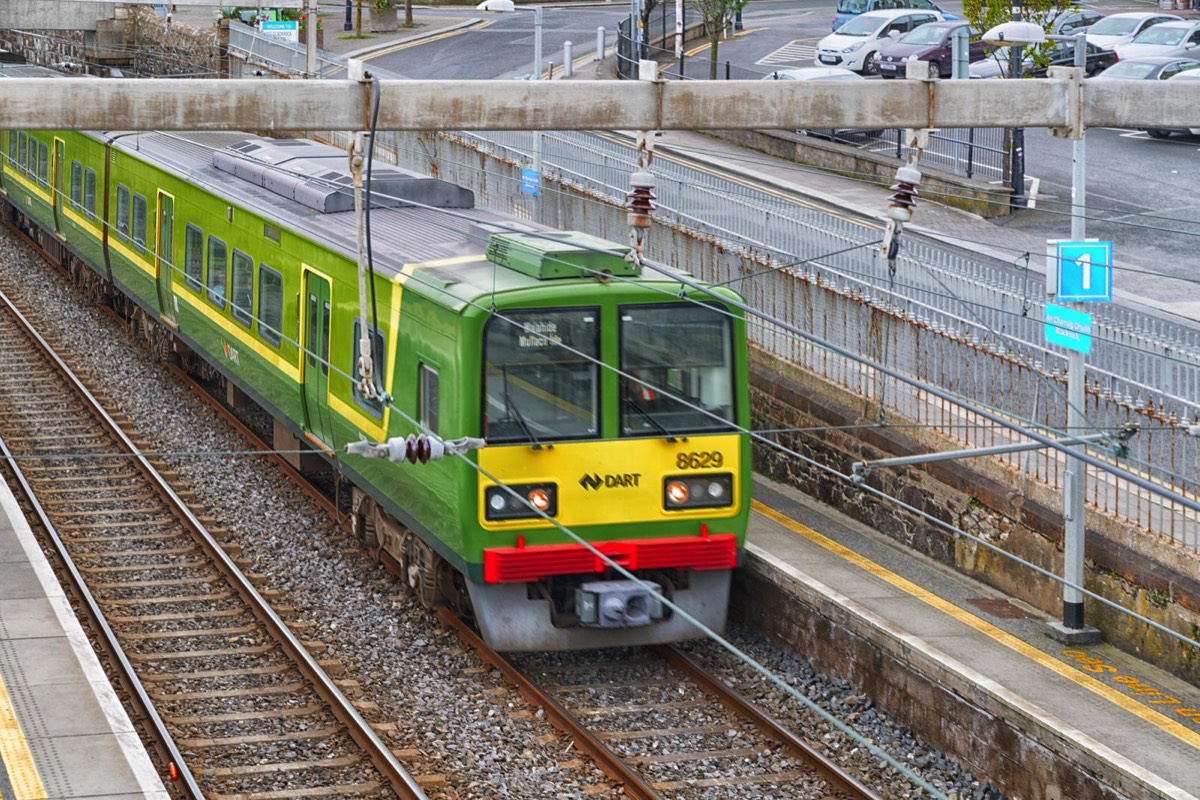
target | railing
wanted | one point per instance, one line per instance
(970, 327)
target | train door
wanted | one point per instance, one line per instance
(56, 181)
(164, 256)
(315, 341)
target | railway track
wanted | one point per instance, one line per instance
(235, 701)
(635, 713)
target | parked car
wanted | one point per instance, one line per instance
(1163, 133)
(849, 9)
(856, 44)
(932, 43)
(1149, 68)
(1062, 54)
(1121, 28)
(1071, 22)
(1164, 39)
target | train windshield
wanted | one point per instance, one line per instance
(540, 375)
(677, 362)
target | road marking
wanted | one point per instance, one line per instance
(405, 45)
(17, 768)
(796, 51)
(1001, 636)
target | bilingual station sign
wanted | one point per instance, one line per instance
(1069, 328)
(1084, 272)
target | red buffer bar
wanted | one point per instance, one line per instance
(520, 564)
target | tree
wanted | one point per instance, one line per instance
(986, 14)
(716, 15)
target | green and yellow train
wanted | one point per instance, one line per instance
(612, 400)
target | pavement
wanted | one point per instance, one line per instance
(994, 238)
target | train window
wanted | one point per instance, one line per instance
(12, 147)
(270, 304)
(272, 233)
(139, 223)
(89, 192)
(122, 220)
(31, 158)
(677, 361)
(427, 408)
(218, 265)
(241, 288)
(193, 256)
(22, 142)
(76, 184)
(43, 162)
(378, 362)
(540, 375)
(318, 332)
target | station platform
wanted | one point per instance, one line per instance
(63, 733)
(1124, 720)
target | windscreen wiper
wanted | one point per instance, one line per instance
(646, 415)
(515, 413)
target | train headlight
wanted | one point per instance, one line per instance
(530, 498)
(697, 491)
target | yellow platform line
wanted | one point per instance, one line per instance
(14, 750)
(1151, 716)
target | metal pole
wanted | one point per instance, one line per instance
(1018, 199)
(600, 43)
(1074, 530)
(310, 62)
(568, 59)
(537, 43)
(679, 31)
(348, 25)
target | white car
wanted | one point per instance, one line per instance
(1121, 28)
(856, 44)
(1165, 39)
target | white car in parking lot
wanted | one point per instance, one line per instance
(1121, 28)
(856, 44)
(1165, 39)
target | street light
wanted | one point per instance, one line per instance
(1073, 628)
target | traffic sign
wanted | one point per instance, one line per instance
(1084, 271)
(1068, 328)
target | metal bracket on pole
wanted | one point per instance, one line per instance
(1072, 77)
(859, 469)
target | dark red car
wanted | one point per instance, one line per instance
(931, 43)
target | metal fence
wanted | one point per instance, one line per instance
(974, 329)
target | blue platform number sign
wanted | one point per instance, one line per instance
(1069, 328)
(531, 181)
(1084, 272)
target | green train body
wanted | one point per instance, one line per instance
(482, 332)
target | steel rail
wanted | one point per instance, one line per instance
(605, 759)
(837, 777)
(362, 733)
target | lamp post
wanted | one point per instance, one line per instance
(1072, 628)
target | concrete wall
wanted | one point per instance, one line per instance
(32, 15)
(978, 197)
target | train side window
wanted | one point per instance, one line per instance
(89, 192)
(122, 219)
(378, 349)
(139, 223)
(193, 256)
(270, 304)
(12, 148)
(31, 158)
(76, 185)
(43, 163)
(22, 142)
(427, 401)
(218, 265)
(241, 288)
